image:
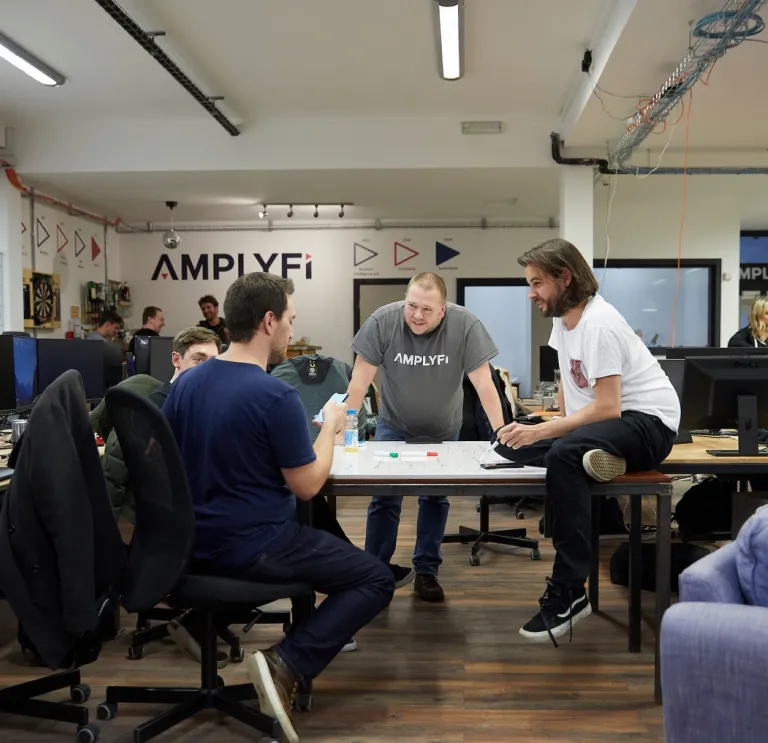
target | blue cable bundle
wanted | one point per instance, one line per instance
(748, 24)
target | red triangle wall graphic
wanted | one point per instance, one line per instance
(95, 249)
(61, 239)
(401, 250)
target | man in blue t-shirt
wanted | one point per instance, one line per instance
(248, 455)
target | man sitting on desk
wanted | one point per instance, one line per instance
(618, 412)
(247, 452)
(422, 348)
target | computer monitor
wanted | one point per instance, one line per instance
(547, 363)
(674, 369)
(687, 353)
(727, 392)
(152, 355)
(18, 372)
(57, 355)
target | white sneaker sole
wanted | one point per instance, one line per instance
(350, 646)
(558, 631)
(269, 699)
(406, 580)
(602, 466)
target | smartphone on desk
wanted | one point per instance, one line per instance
(338, 397)
(501, 465)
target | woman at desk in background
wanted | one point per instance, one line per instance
(755, 334)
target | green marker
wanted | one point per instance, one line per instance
(392, 454)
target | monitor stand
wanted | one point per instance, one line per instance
(748, 428)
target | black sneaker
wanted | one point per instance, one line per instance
(561, 608)
(428, 588)
(403, 576)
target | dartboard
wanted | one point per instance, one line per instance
(43, 302)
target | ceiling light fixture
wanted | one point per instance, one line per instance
(263, 211)
(341, 213)
(28, 63)
(316, 214)
(290, 211)
(450, 22)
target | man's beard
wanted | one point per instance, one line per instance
(277, 355)
(556, 307)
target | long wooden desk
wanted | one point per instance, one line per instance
(692, 459)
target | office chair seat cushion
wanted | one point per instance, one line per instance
(752, 558)
(199, 591)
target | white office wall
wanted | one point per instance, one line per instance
(76, 249)
(324, 301)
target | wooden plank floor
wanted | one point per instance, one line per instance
(452, 673)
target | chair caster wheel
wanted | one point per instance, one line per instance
(237, 655)
(520, 514)
(106, 711)
(135, 652)
(535, 555)
(474, 560)
(80, 694)
(87, 734)
(477, 508)
(220, 682)
(143, 625)
(302, 702)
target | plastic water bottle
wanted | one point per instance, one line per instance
(350, 432)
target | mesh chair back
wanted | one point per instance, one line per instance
(164, 530)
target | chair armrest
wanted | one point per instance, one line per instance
(713, 661)
(713, 579)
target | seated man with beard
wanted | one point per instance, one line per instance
(247, 451)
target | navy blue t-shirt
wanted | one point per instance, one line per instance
(236, 427)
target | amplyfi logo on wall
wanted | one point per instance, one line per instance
(205, 267)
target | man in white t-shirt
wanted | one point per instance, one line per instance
(618, 413)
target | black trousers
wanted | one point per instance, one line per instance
(641, 439)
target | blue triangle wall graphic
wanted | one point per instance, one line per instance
(443, 253)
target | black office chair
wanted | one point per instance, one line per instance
(162, 543)
(476, 427)
(75, 440)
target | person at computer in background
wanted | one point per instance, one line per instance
(244, 440)
(755, 334)
(422, 347)
(109, 324)
(209, 306)
(153, 321)
(191, 347)
(619, 412)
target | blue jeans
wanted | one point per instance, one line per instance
(357, 587)
(384, 518)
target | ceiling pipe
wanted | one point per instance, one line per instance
(601, 164)
(15, 180)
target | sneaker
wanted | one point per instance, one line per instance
(350, 646)
(403, 576)
(561, 608)
(602, 466)
(275, 686)
(428, 588)
(190, 646)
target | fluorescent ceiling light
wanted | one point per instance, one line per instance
(19, 57)
(450, 23)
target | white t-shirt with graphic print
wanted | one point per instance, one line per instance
(604, 345)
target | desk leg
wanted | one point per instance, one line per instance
(635, 572)
(331, 503)
(594, 573)
(663, 575)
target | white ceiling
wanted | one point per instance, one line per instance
(284, 65)
(448, 194)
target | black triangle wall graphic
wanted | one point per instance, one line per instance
(79, 243)
(41, 228)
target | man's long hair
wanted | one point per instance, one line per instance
(553, 257)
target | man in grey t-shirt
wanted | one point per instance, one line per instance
(422, 348)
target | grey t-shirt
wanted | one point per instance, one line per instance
(422, 375)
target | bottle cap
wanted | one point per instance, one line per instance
(351, 411)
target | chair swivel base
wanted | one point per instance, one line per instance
(20, 700)
(229, 700)
(508, 537)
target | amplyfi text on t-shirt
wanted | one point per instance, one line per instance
(413, 360)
